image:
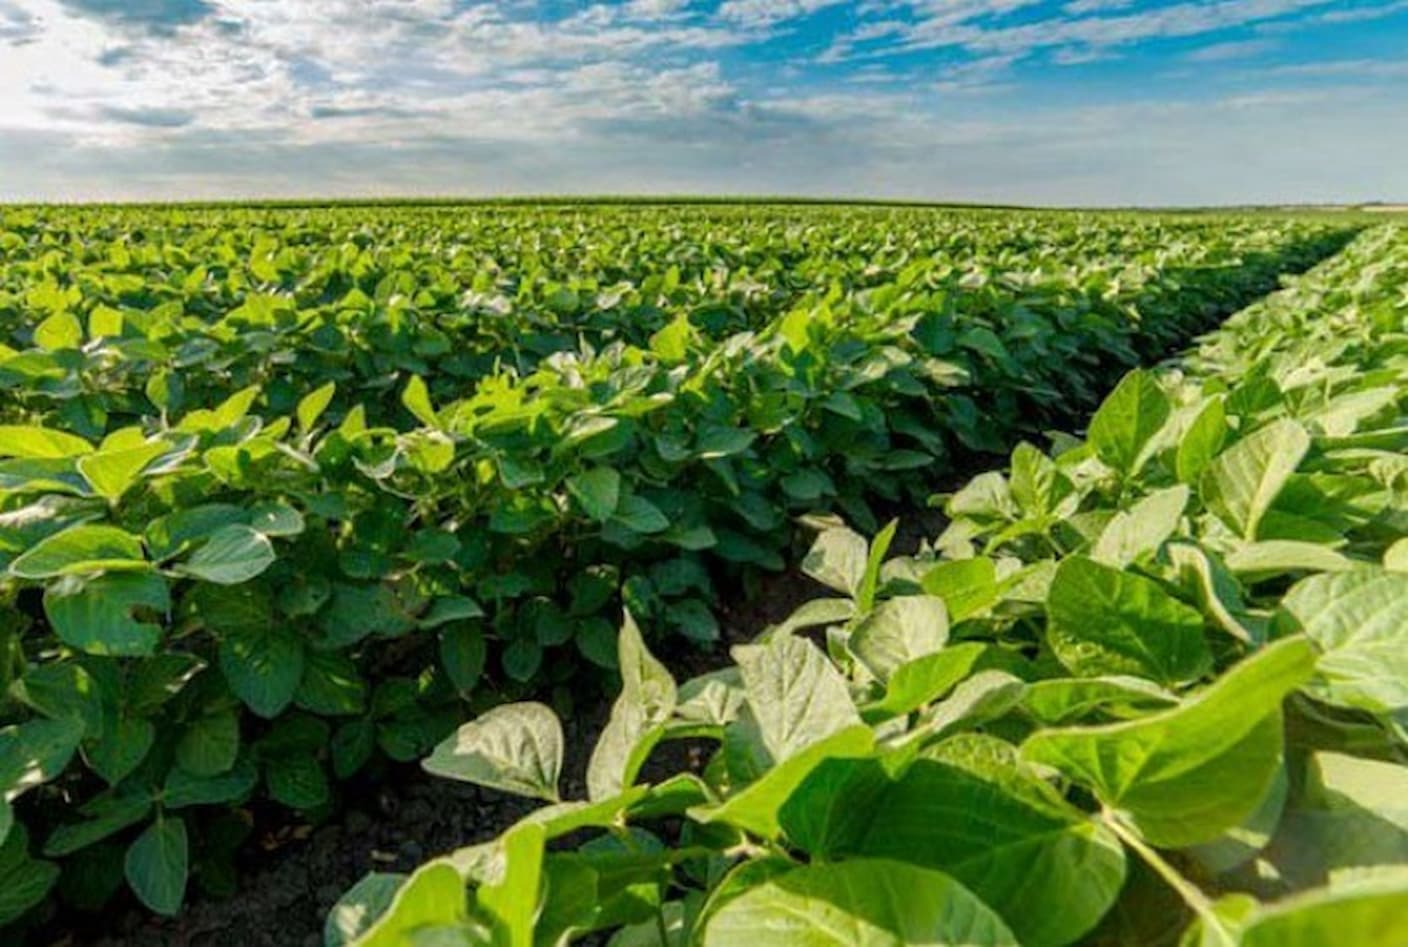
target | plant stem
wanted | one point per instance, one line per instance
(1191, 894)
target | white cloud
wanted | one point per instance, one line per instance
(1238, 49)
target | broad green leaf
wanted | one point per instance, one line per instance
(463, 653)
(968, 586)
(209, 744)
(357, 910)
(263, 667)
(796, 695)
(513, 901)
(32, 442)
(432, 897)
(105, 817)
(1127, 421)
(62, 691)
(1102, 621)
(81, 549)
(1273, 557)
(755, 808)
(898, 631)
(648, 698)
(514, 748)
(104, 321)
(113, 472)
(100, 615)
(837, 560)
(1350, 821)
(416, 398)
(1047, 868)
(156, 865)
(925, 679)
(1244, 480)
(1036, 483)
(639, 515)
(34, 752)
(121, 746)
(985, 696)
(1062, 700)
(311, 406)
(1359, 621)
(865, 902)
(62, 330)
(1140, 530)
(1373, 912)
(598, 491)
(1185, 775)
(1201, 442)
(1216, 591)
(233, 554)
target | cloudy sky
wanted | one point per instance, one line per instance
(1042, 101)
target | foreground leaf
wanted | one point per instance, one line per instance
(861, 903)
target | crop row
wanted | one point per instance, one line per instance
(249, 549)
(1169, 659)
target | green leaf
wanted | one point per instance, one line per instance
(899, 631)
(923, 680)
(312, 406)
(1047, 868)
(81, 549)
(1103, 621)
(837, 560)
(263, 667)
(156, 866)
(433, 896)
(1127, 421)
(1243, 481)
(1359, 621)
(639, 515)
(1187, 774)
(233, 554)
(99, 615)
(967, 586)
(515, 748)
(30, 442)
(647, 700)
(298, 781)
(756, 807)
(62, 330)
(107, 815)
(360, 907)
(1371, 912)
(113, 472)
(210, 744)
(1140, 530)
(866, 902)
(514, 901)
(34, 752)
(598, 491)
(1201, 442)
(672, 342)
(416, 398)
(462, 653)
(797, 697)
(120, 748)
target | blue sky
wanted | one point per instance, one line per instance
(1039, 101)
